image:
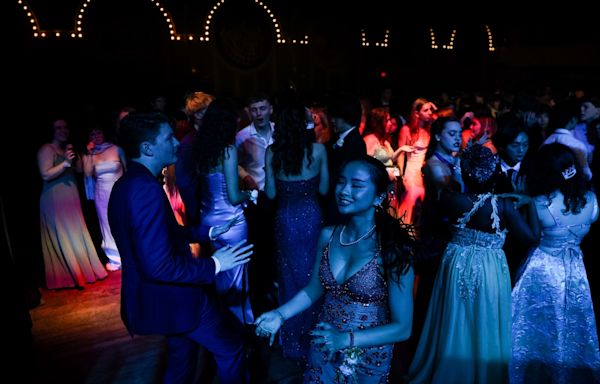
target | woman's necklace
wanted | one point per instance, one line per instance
(357, 240)
(443, 159)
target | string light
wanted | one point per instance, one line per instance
(205, 35)
(488, 30)
(435, 45)
(365, 43)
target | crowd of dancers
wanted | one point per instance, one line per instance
(455, 227)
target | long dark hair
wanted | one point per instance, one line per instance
(217, 131)
(550, 163)
(394, 239)
(291, 140)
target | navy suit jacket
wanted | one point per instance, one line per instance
(161, 289)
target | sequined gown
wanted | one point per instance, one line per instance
(107, 172)
(466, 335)
(298, 222)
(70, 258)
(554, 331)
(358, 303)
(216, 209)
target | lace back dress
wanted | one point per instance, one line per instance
(358, 303)
(466, 335)
(554, 330)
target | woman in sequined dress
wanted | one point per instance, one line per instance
(363, 271)
(296, 174)
(466, 336)
(554, 330)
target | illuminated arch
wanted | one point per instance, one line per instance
(280, 38)
(365, 43)
(435, 45)
(33, 20)
(490, 38)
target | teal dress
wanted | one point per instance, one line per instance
(467, 333)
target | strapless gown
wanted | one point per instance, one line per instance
(70, 258)
(554, 330)
(359, 303)
(216, 209)
(298, 222)
(107, 173)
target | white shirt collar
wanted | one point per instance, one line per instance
(505, 167)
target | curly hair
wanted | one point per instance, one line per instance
(290, 140)
(217, 132)
(396, 245)
(547, 176)
(479, 167)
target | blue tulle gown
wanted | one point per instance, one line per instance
(466, 336)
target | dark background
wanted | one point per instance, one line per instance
(126, 54)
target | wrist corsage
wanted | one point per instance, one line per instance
(346, 372)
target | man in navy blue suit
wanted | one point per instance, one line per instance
(162, 284)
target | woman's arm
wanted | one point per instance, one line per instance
(527, 228)
(46, 166)
(122, 158)
(88, 165)
(324, 170)
(270, 190)
(398, 329)
(231, 177)
(403, 147)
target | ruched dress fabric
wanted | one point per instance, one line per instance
(70, 259)
(554, 330)
(216, 209)
(298, 222)
(466, 335)
(359, 303)
(107, 173)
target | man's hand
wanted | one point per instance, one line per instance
(249, 183)
(232, 256)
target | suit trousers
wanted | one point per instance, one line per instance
(221, 339)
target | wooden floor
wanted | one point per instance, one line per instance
(79, 338)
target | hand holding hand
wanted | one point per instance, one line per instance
(268, 324)
(407, 148)
(329, 338)
(232, 256)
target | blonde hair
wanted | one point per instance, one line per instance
(196, 101)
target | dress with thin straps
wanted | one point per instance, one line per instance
(466, 335)
(554, 329)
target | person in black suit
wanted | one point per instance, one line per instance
(347, 144)
(162, 284)
(512, 142)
